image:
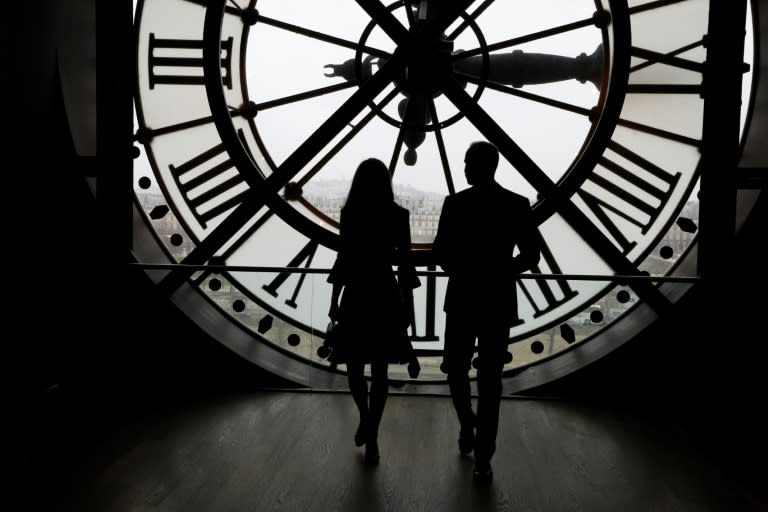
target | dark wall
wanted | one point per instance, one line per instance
(81, 317)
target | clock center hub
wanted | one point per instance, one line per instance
(424, 69)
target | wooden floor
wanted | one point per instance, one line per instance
(293, 451)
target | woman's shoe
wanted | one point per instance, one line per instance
(466, 440)
(360, 435)
(414, 368)
(482, 472)
(372, 452)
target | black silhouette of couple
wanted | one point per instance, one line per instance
(479, 231)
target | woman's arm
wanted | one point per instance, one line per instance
(333, 313)
(406, 271)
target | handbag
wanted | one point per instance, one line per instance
(332, 347)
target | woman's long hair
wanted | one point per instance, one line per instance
(371, 189)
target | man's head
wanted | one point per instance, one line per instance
(480, 162)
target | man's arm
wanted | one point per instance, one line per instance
(441, 245)
(529, 245)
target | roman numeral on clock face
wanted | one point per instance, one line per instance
(430, 305)
(543, 295)
(635, 191)
(180, 61)
(302, 258)
(210, 184)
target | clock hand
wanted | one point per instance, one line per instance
(520, 68)
(427, 39)
(413, 112)
(516, 68)
(347, 70)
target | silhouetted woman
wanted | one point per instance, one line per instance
(371, 302)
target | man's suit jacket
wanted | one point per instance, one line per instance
(477, 234)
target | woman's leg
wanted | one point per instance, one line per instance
(379, 392)
(359, 389)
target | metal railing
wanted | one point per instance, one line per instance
(438, 273)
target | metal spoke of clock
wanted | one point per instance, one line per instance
(524, 165)
(514, 91)
(293, 98)
(471, 17)
(347, 137)
(653, 57)
(677, 51)
(441, 146)
(145, 134)
(396, 150)
(590, 112)
(235, 245)
(653, 5)
(599, 242)
(148, 133)
(400, 35)
(690, 141)
(322, 37)
(667, 59)
(527, 38)
(384, 18)
(237, 6)
(236, 10)
(317, 212)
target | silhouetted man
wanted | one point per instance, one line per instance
(477, 235)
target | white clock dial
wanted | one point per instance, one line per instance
(254, 115)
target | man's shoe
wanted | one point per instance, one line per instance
(371, 452)
(467, 434)
(483, 473)
(466, 440)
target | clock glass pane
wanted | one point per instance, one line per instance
(539, 79)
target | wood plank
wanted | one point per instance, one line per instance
(293, 451)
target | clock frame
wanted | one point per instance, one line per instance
(260, 318)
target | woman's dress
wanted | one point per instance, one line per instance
(372, 318)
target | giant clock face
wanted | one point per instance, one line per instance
(254, 115)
